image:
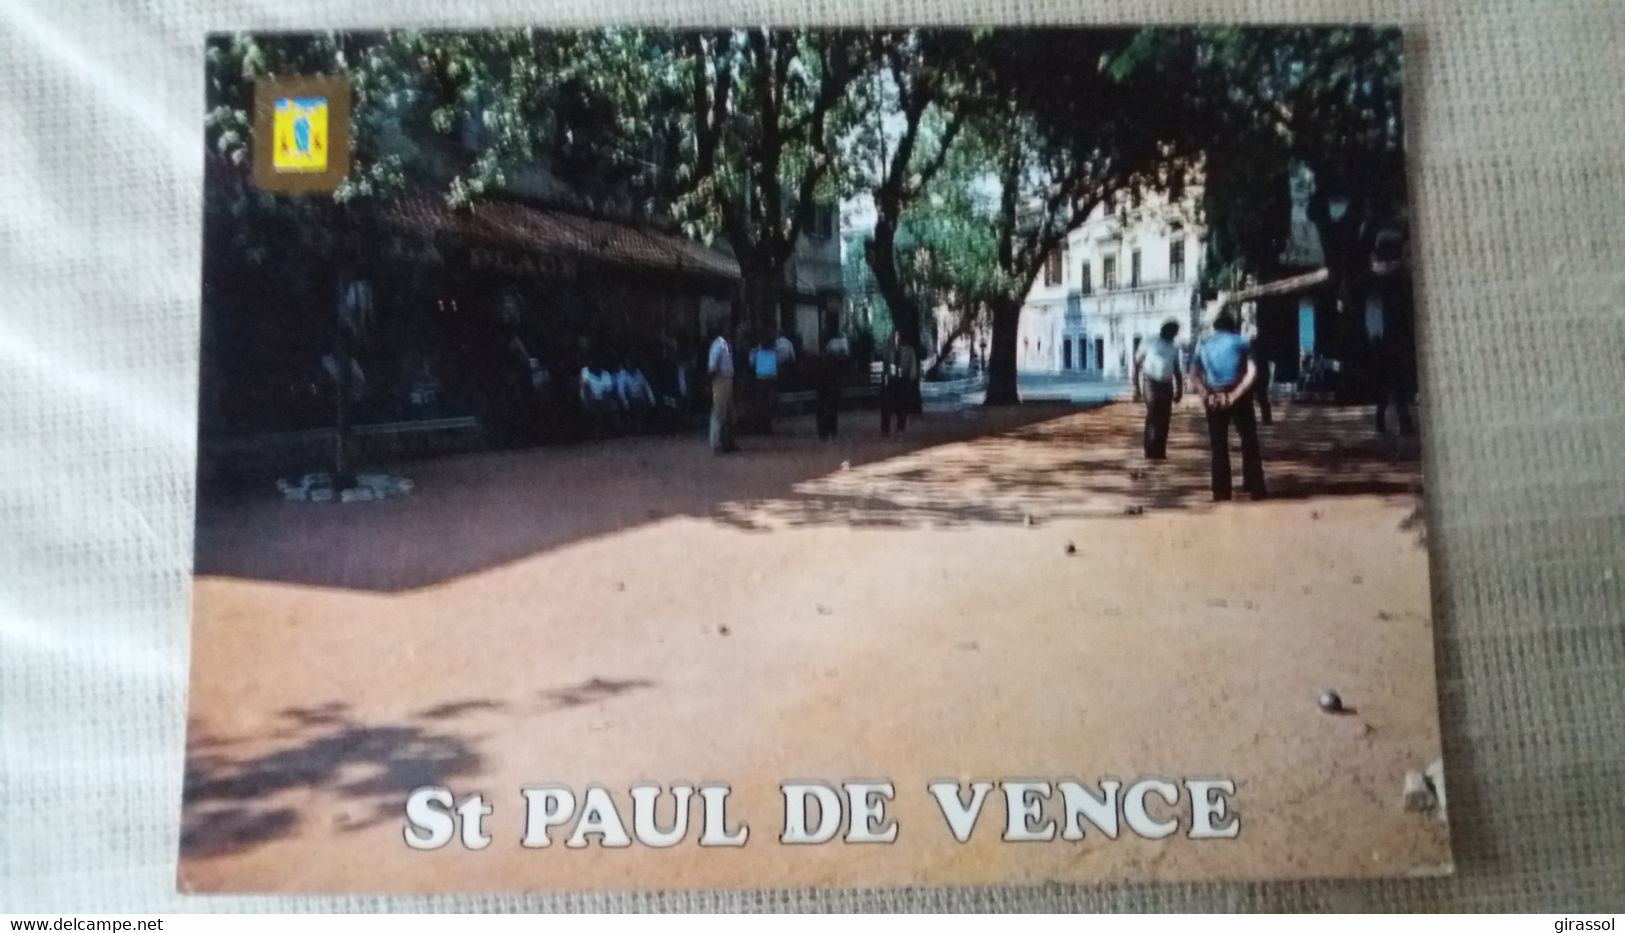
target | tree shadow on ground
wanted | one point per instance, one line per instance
(594, 690)
(477, 511)
(1037, 463)
(234, 802)
(1089, 467)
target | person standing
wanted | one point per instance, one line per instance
(720, 365)
(1158, 362)
(789, 366)
(1224, 374)
(1261, 391)
(909, 368)
(743, 348)
(1394, 374)
(831, 365)
(1390, 333)
(898, 371)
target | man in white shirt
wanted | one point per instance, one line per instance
(720, 366)
(596, 385)
(634, 387)
(637, 396)
(1157, 361)
(785, 350)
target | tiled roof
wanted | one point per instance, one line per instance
(533, 229)
(526, 228)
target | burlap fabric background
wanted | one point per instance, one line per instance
(1517, 125)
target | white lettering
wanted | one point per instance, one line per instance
(474, 810)
(795, 814)
(1082, 805)
(1210, 806)
(546, 807)
(1023, 803)
(644, 800)
(716, 819)
(867, 803)
(961, 816)
(598, 818)
(1134, 812)
(429, 824)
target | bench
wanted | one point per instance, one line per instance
(801, 401)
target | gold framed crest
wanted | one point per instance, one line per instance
(301, 134)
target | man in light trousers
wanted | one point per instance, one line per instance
(720, 365)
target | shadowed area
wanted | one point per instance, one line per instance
(590, 691)
(489, 509)
(1035, 584)
(1043, 461)
(1077, 467)
(235, 802)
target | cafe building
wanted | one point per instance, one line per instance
(446, 310)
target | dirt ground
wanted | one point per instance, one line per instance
(640, 610)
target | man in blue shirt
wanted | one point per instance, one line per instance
(1224, 374)
(765, 364)
(1158, 363)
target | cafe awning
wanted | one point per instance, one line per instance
(510, 234)
(1287, 286)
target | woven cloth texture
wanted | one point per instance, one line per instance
(1517, 148)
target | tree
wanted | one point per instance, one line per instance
(445, 112)
(912, 102)
(982, 150)
(944, 264)
(761, 110)
(945, 254)
(1259, 101)
(1122, 110)
(456, 113)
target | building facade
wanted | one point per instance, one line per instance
(813, 280)
(1120, 275)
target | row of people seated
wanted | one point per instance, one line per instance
(624, 399)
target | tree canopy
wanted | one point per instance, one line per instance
(978, 150)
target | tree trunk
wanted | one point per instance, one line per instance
(761, 283)
(1001, 362)
(343, 351)
(962, 329)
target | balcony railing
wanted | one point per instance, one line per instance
(1165, 297)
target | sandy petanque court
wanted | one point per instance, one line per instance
(639, 610)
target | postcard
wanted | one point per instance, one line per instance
(638, 459)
